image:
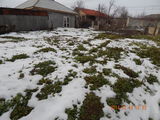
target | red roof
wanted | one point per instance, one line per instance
(92, 12)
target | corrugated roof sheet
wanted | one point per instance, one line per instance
(48, 4)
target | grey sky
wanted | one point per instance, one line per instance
(134, 6)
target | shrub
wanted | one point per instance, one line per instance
(92, 108)
(17, 57)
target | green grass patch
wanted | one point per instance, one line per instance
(90, 70)
(150, 52)
(127, 71)
(44, 81)
(93, 50)
(96, 81)
(152, 79)
(109, 36)
(18, 57)
(137, 61)
(92, 108)
(114, 53)
(84, 59)
(1, 61)
(81, 48)
(72, 113)
(48, 49)
(19, 104)
(69, 77)
(104, 44)
(124, 85)
(49, 89)
(107, 71)
(44, 68)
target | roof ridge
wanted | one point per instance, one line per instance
(36, 3)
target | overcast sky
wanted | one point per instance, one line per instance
(134, 6)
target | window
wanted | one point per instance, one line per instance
(66, 21)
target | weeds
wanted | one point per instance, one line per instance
(17, 57)
(44, 68)
(109, 36)
(107, 71)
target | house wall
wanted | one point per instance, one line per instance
(24, 22)
(56, 19)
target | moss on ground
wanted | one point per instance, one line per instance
(44, 68)
(92, 108)
(127, 71)
(48, 49)
(96, 81)
(17, 57)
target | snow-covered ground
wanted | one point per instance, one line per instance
(65, 41)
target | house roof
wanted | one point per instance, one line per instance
(46, 4)
(92, 12)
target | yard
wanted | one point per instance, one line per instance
(79, 74)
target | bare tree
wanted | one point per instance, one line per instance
(123, 12)
(102, 8)
(79, 4)
(111, 6)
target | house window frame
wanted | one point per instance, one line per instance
(66, 21)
